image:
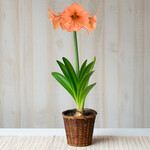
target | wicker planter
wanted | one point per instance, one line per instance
(79, 130)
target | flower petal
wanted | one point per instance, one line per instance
(92, 22)
(56, 22)
(51, 14)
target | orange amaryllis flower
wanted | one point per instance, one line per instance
(74, 18)
(55, 19)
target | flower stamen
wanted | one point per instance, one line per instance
(74, 16)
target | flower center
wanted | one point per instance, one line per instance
(74, 16)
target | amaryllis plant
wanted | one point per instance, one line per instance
(76, 82)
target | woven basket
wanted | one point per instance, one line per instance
(79, 130)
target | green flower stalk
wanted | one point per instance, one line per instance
(76, 52)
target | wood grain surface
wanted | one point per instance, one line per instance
(29, 95)
(60, 143)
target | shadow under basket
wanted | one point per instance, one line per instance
(79, 130)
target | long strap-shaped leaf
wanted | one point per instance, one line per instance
(94, 60)
(62, 80)
(71, 73)
(84, 94)
(91, 69)
(83, 82)
(82, 68)
(63, 68)
(86, 91)
(87, 69)
(65, 72)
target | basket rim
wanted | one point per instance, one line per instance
(85, 117)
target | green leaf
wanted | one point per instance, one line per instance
(71, 73)
(62, 80)
(64, 70)
(91, 69)
(87, 90)
(82, 68)
(87, 69)
(94, 60)
(84, 82)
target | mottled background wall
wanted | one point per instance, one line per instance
(30, 97)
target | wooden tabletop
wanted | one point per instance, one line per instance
(59, 143)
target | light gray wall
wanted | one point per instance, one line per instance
(30, 97)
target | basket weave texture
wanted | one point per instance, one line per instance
(79, 131)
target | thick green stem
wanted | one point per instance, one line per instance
(76, 52)
(80, 108)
